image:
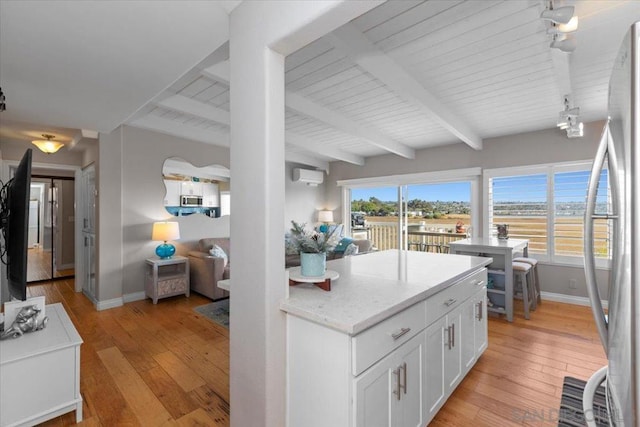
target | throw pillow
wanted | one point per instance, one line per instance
(218, 252)
(352, 249)
(343, 244)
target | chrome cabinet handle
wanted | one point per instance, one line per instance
(400, 333)
(396, 372)
(450, 302)
(453, 334)
(480, 283)
(480, 315)
(449, 337)
(404, 376)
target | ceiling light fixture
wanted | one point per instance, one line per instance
(565, 44)
(561, 15)
(47, 145)
(568, 119)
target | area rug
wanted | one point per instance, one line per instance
(217, 312)
(571, 414)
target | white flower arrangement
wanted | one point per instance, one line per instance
(311, 241)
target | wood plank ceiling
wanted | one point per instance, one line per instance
(406, 76)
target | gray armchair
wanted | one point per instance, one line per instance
(206, 269)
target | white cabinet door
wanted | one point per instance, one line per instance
(467, 334)
(481, 339)
(210, 194)
(172, 197)
(191, 188)
(389, 394)
(434, 389)
(453, 350)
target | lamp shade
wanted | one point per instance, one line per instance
(325, 216)
(165, 231)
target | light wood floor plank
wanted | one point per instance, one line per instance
(133, 356)
(144, 403)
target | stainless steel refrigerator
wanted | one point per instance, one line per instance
(619, 330)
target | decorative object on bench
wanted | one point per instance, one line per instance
(206, 269)
(165, 231)
(313, 247)
(26, 321)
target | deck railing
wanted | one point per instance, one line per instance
(385, 236)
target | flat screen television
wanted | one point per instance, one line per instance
(16, 227)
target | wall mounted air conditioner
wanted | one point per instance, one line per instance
(308, 176)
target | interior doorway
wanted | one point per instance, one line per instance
(51, 254)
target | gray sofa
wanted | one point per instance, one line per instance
(206, 270)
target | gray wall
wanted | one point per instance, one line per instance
(302, 202)
(545, 146)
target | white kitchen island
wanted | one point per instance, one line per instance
(389, 343)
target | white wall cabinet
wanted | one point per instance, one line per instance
(210, 196)
(172, 198)
(191, 188)
(398, 372)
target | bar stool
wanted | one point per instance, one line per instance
(521, 272)
(535, 287)
(419, 246)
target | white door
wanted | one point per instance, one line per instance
(453, 350)
(412, 378)
(467, 334)
(435, 336)
(481, 339)
(375, 400)
(88, 211)
(172, 197)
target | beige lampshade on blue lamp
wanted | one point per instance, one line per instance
(165, 231)
(325, 217)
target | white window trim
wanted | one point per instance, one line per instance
(548, 169)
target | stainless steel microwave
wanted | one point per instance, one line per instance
(190, 201)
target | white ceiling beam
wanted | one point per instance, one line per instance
(354, 44)
(182, 104)
(309, 108)
(172, 127)
(320, 148)
(219, 72)
(306, 160)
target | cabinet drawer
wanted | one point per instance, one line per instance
(373, 344)
(170, 286)
(444, 301)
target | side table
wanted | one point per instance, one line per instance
(166, 277)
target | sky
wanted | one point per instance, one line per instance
(570, 187)
(449, 192)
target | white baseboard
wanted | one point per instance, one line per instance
(110, 303)
(136, 296)
(570, 299)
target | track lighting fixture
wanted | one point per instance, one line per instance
(568, 119)
(565, 44)
(561, 15)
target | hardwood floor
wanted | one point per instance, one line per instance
(39, 265)
(145, 364)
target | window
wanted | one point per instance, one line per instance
(546, 204)
(430, 208)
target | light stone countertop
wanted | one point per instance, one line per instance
(377, 285)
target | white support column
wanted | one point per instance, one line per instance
(261, 34)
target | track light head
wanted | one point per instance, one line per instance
(567, 44)
(561, 15)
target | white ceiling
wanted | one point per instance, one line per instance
(405, 76)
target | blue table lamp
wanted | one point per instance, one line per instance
(325, 217)
(165, 231)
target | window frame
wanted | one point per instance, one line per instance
(550, 170)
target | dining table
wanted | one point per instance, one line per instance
(503, 251)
